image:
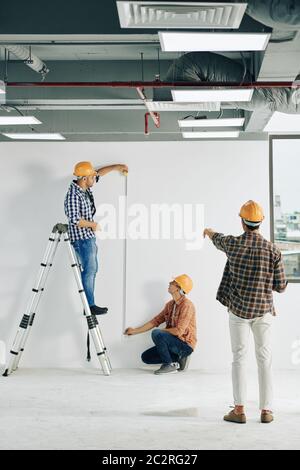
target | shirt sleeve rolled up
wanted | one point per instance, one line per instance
(222, 241)
(279, 279)
(160, 318)
(72, 208)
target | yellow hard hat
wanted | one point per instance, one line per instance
(184, 282)
(84, 169)
(252, 211)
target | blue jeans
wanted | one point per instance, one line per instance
(168, 348)
(86, 251)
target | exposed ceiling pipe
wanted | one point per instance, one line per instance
(200, 67)
(146, 128)
(155, 116)
(155, 84)
(29, 59)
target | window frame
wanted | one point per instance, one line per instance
(271, 176)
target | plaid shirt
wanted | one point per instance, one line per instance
(79, 204)
(253, 270)
(182, 316)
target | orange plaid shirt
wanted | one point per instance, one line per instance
(183, 319)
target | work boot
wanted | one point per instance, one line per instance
(232, 417)
(167, 369)
(266, 417)
(95, 310)
(184, 363)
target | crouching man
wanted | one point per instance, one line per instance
(175, 343)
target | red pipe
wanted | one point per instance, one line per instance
(156, 121)
(146, 131)
(154, 84)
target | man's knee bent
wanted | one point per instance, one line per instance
(156, 334)
(144, 358)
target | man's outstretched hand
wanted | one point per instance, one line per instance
(208, 232)
(123, 169)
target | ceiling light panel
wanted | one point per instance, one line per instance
(281, 122)
(211, 42)
(232, 122)
(34, 136)
(210, 135)
(18, 120)
(212, 95)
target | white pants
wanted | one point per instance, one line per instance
(239, 332)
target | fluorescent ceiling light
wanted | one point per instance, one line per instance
(210, 135)
(34, 136)
(234, 122)
(18, 120)
(212, 95)
(210, 42)
(281, 122)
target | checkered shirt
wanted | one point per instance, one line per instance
(253, 270)
(79, 204)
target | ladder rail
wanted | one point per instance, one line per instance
(97, 339)
(28, 318)
(46, 265)
(98, 331)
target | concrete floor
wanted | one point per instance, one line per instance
(133, 409)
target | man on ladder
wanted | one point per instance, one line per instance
(80, 210)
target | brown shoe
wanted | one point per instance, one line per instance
(232, 417)
(267, 417)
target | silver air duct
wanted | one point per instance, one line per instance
(211, 67)
(30, 59)
(277, 14)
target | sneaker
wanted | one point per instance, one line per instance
(95, 310)
(167, 369)
(232, 417)
(266, 417)
(184, 363)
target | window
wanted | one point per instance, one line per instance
(285, 200)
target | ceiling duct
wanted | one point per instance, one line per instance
(210, 67)
(180, 15)
(203, 67)
(282, 15)
(29, 59)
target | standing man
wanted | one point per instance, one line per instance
(253, 270)
(80, 210)
(175, 343)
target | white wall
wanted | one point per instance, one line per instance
(220, 175)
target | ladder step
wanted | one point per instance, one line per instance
(27, 320)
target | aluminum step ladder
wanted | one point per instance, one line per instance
(59, 231)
